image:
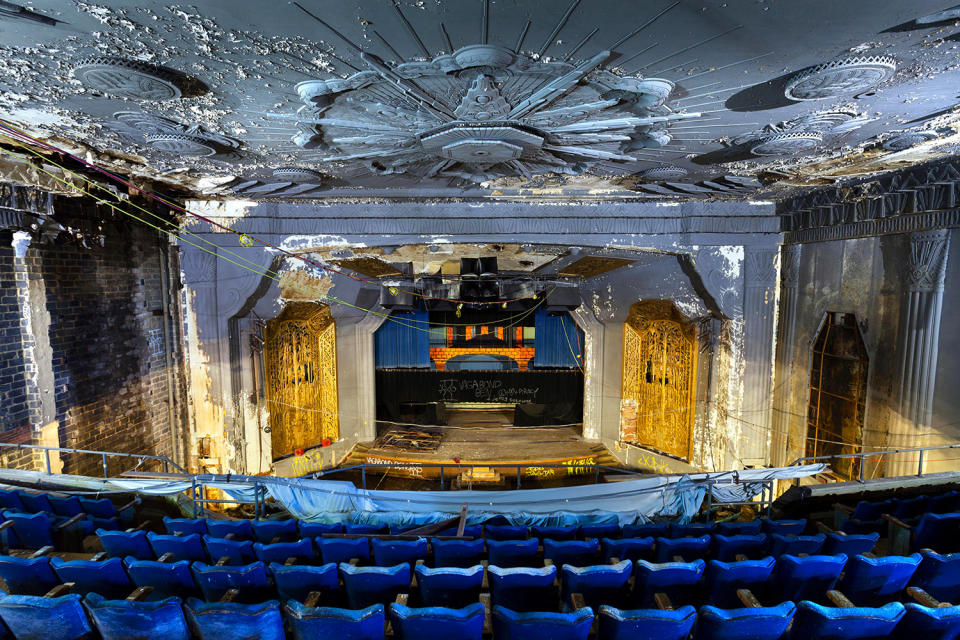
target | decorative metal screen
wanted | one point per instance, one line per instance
(301, 368)
(659, 365)
(838, 389)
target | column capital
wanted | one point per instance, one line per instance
(760, 269)
(928, 260)
(790, 265)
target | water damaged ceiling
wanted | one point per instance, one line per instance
(434, 98)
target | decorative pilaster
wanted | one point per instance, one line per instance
(786, 348)
(592, 371)
(919, 343)
(759, 311)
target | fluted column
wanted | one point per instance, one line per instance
(786, 348)
(919, 342)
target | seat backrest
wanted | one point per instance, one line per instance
(795, 545)
(599, 584)
(387, 553)
(850, 544)
(795, 578)
(35, 502)
(302, 550)
(239, 551)
(834, 623)
(99, 508)
(784, 527)
(188, 547)
(166, 578)
(449, 586)
(68, 506)
(875, 581)
(722, 579)
(504, 532)
(34, 530)
(214, 581)
(867, 510)
(944, 503)
(514, 625)
(727, 548)
(554, 533)
(10, 499)
(905, 509)
(362, 527)
(627, 548)
(691, 530)
(751, 528)
(648, 530)
(579, 553)
(241, 529)
(28, 576)
(39, 618)
(473, 531)
(442, 622)
(599, 530)
(673, 624)
(523, 588)
(759, 623)
(941, 623)
(317, 529)
(217, 620)
(677, 579)
(456, 553)
(266, 530)
(120, 544)
(126, 620)
(309, 623)
(939, 575)
(297, 581)
(512, 553)
(937, 532)
(185, 526)
(343, 549)
(687, 548)
(107, 577)
(367, 586)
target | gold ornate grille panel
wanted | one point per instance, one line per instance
(301, 369)
(659, 365)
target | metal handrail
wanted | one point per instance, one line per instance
(167, 462)
(865, 454)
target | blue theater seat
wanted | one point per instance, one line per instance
(722, 579)
(188, 547)
(855, 526)
(472, 531)
(312, 623)
(939, 575)
(648, 530)
(239, 551)
(35, 502)
(755, 623)
(167, 578)
(339, 550)
(646, 624)
(295, 582)
(126, 620)
(784, 527)
(686, 548)
(28, 576)
(599, 584)
(512, 553)
(934, 531)
(908, 509)
(449, 586)
(539, 625)
(837, 623)
(851, 545)
(795, 545)
(37, 530)
(39, 618)
(457, 553)
(10, 499)
(875, 581)
(940, 623)
(554, 533)
(302, 550)
(728, 548)
(367, 586)
(627, 548)
(104, 508)
(523, 588)
(751, 528)
(215, 581)
(317, 529)
(387, 553)
(945, 503)
(106, 577)
(439, 622)
(185, 526)
(692, 530)
(266, 530)
(504, 532)
(599, 530)
(806, 578)
(232, 620)
(579, 553)
(66, 506)
(120, 544)
(351, 527)
(676, 579)
(866, 510)
(241, 529)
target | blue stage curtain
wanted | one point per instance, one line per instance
(403, 341)
(558, 342)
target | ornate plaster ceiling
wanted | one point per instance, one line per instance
(423, 98)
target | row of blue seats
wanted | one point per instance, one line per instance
(67, 506)
(937, 531)
(866, 580)
(902, 508)
(71, 617)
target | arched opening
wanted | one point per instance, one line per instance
(838, 389)
(658, 381)
(301, 370)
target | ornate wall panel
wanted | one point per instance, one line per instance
(658, 383)
(301, 362)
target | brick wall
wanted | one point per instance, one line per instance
(521, 355)
(13, 391)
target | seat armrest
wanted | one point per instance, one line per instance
(313, 599)
(230, 536)
(230, 595)
(925, 598)
(663, 601)
(72, 521)
(897, 522)
(6, 525)
(840, 600)
(748, 599)
(59, 590)
(614, 560)
(223, 561)
(487, 614)
(129, 505)
(167, 557)
(842, 507)
(289, 562)
(402, 598)
(822, 528)
(354, 562)
(577, 601)
(140, 527)
(97, 557)
(42, 551)
(139, 594)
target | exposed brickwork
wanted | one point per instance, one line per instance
(521, 355)
(13, 391)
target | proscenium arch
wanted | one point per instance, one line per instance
(300, 355)
(659, 378)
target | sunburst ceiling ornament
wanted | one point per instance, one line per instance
(483, 112)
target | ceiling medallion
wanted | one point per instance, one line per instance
(173, 137)
(297, 174)
(134, 79)
(840, 77)
(801, 134)
(781, 144)
(482, 112)
(663, 172)
(908, 139)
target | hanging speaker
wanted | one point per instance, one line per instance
(563, 299)
(399, 301)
